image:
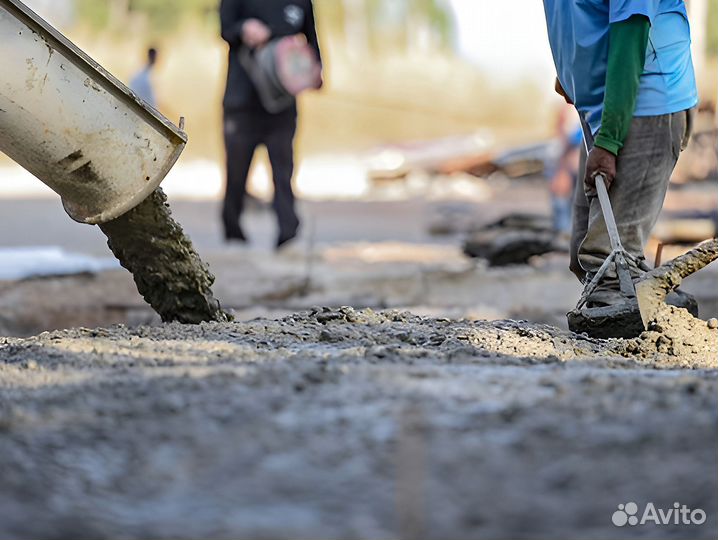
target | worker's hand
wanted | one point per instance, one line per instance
(561, 92)
(600, 162)
(255, 33)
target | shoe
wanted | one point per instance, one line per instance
(604, 298)
(235, 236)
(287, 236)
(283, 240)
(616, 321)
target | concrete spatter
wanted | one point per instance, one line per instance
(655, 285)
(299, 427)
(167, 270)
(627, 320)
(677, 334)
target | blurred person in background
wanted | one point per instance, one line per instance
(247, 123)
(141, 83)
(563, 173)
(627, 67)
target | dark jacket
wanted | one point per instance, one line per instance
(283, 17)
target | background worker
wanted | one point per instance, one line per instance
(627, 67)
(247, 124)
(564, 167)
(141, 83)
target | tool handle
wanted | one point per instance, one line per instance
(607, 210)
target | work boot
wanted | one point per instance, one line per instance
(604, 298)
(284, 240)
(287, 234)
(606, 314)
(607, 296)
(235, 235)
(607, 293)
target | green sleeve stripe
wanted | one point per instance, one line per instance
(626, 57)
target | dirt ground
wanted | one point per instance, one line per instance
(426, 279)
(376, 254)
(349, 424)
(452, 421)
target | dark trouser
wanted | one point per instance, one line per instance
(643, 171)
(244, 131)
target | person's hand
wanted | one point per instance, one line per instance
(600, 162)
(561, 92)
(320, 80)
(255, 33)
(562, 184)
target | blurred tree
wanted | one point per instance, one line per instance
(95, 13)
(163, 16)
(712, 22)
(440, 15)
(379, 23)
(404, 23)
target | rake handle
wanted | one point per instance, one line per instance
(608, 215)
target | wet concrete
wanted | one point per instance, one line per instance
(654, 287)
(340, 423)
(675, 332)
(167, 270)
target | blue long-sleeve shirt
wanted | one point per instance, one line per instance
(141, 84)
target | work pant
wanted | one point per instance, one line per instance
(643, 171)
(244, 131)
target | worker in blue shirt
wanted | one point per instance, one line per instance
(141, 83)
(626, 65)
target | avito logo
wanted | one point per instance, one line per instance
(627, 514)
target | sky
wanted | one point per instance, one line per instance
(506, 38)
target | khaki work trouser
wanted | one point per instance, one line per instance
(643, 172)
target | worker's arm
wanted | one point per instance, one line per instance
(628, 40)
(231, 21)
(626, 57)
